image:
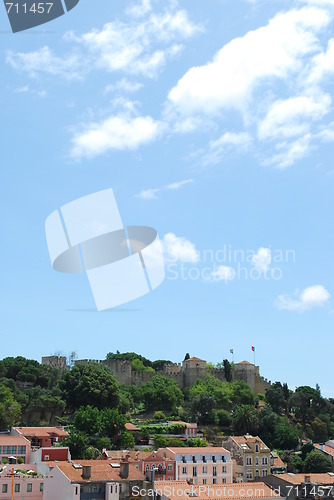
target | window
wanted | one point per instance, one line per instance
(170, 467)
(184, 470)
(214, 473)
(9, 450)
(264, 461)
(205, 469)
(46, 458)
(249, 461)
(153, 465)
(264, 472)
(213, 458)
(77, 490)
(249, 475)
(204, 481)
(17, 488)
(257, 474)
(111, 489)
(194, 471)
(21, 450)
(41, 487)
(120, 488)
(214, 481)
(257, 461)
(29, 487)
(4, 488)
(224, 480)
(224, 468)
(194, 459)
(204, 458)
(147, 466)
(184, 459)
(257, 448)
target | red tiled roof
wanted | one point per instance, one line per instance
(101, 470)
(326, 449)
(249, 439)
(13, 440)
(131, 427)
(181, 490)
(300, 478)
(42, 431)
(194, 359)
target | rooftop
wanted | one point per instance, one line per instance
(212, 450)
(42, 431)
(327, 478)
(327, 449)
(101, 470)
(195, 359)
(5, 439)
(183, 491)
(247, 438)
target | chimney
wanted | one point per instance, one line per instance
(86, 471)
(124, 470)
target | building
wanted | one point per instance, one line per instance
(277, 466)
(21, 480)
(92, 480)
(145, 462)
(328, 450)
(41, 436)
(301, 486)
(46, 457)
(251, 457)
(208, 465)
(58, 362)
(14, 447)
(182, 490)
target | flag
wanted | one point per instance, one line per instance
(253, 348)
(231, 351)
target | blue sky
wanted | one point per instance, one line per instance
(213, 123)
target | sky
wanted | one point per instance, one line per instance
(213, 123)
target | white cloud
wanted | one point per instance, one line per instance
(223, 273)
(123, 85)
(262, 259)
(148, 194)
(311, 297)
(218, 147)
(174, 186)
(117, 132)
(45, 61)
(290, 152)
(140, 46)
(179, 249)
(272, 51)
(151, 194)
(291, 117)
(323, 64)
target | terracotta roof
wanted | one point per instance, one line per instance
(326, 449)
(101, 470)
(249, 439)
(244, 363)
(131, 427)
(278, 462)
(42, 431)
(326, 478)
(214, 450)
(13, 440)
(194, 359)
(182, 490)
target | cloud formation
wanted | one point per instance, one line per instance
(311, 297)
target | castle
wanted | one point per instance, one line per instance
(185, 374)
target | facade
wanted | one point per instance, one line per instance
(209, 465)
(41, 436)
(251, 457)
(14, 447)
(20, 481)
(93, 480)
(182, 490)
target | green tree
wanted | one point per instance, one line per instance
(87, 419)
(306, 403)
(92, 453)
(286, 436)
(275, 398)
(268, 420)
(112, 422)
(227, 370)
(320, 430)
(126, 440)
(306, 449)
(241, 393)
(197, 442)
(77, 443)
(316, 461)
(187, 356)
(10, 410)
(90, 384)
(245, 419)
(161, 393)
